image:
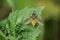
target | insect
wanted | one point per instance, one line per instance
(33, 19)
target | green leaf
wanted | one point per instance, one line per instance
(2, 36)
(16, 28)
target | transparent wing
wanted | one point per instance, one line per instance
(27, 21)
(39, 21)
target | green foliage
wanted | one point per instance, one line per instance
(13, 27)
(2, 36)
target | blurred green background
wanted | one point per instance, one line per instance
(50, 14)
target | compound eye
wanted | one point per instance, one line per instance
(33, 14)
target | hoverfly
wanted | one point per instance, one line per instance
(33, 19)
